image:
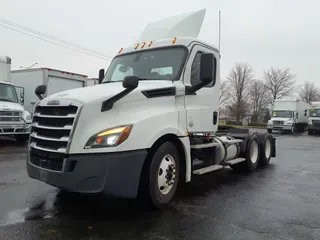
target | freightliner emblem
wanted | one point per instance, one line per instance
(53, 103)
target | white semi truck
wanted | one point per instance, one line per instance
(314, 118)
(150, 123)
(14, 119)
(289, 115)
(55, 80)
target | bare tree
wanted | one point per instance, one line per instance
(309, 92)
(279, 82)
(224, 94)
(258, 97)
(239, 79)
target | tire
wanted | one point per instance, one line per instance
(157, 192)
(265, 150)
(21, 138)
(269, 130)
(252, 156)
(310, 132)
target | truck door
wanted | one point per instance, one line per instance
(203, 106)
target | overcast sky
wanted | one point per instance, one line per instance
(264, 33)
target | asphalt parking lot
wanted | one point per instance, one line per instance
(279, 202)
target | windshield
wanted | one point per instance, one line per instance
(282, 114)
(8, 93)
(315, 112)
(159, 64)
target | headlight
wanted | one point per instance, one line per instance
(289, 123)
(269, 122)
(28, 117)
(110, 137)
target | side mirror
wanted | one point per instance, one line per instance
(101, 75)
(22, 96)
(130, 82)
(207, 72)
(41, 89)
(207, 67)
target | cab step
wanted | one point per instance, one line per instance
(208, 169)
(213, 168)
(233, 161)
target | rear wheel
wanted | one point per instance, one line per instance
(21, 138)
(265, 150)
(162, 176)
(310, 132)
(252, 156)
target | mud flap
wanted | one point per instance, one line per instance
(273, 146)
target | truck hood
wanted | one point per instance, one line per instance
(10, 106)
(108, 90)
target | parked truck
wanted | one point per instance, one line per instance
(150, 123)
(314, 118)
(55, 80)
(14, 119)
(289, 115)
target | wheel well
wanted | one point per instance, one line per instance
(169, 138)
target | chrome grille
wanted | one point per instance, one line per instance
(278, 122)
(10, 116)
(316, 123)
(50, 134)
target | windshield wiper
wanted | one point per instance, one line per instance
(6, 100)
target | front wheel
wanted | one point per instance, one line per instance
(162, 175)
(21, 138)
(269, 130)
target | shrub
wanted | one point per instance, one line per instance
(256, 124)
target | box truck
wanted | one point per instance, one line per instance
(147, 126)
(314, 118)
(55, 80)
(289, 115)
(14, 119)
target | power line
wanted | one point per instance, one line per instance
(53, 40)
(75, 49)
(52, 37)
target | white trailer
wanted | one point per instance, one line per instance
(14, 119)
(289, 115)
(149, 125)
(55, 80)
(314, 118)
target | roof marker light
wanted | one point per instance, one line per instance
(137, 45)
(174, 40)
(143, 44)
(121, 49)
(150, 43)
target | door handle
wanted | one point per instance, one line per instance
(215, 117)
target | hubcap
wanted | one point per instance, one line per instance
(254, 149)
(268, 148)
(166, 174)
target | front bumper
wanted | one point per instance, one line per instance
(115, 174)
(313, 127)
(279, 127)
(13, 129)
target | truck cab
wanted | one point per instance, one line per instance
(289, 115)
(314, 118)
(14, 120)
(147, 126)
